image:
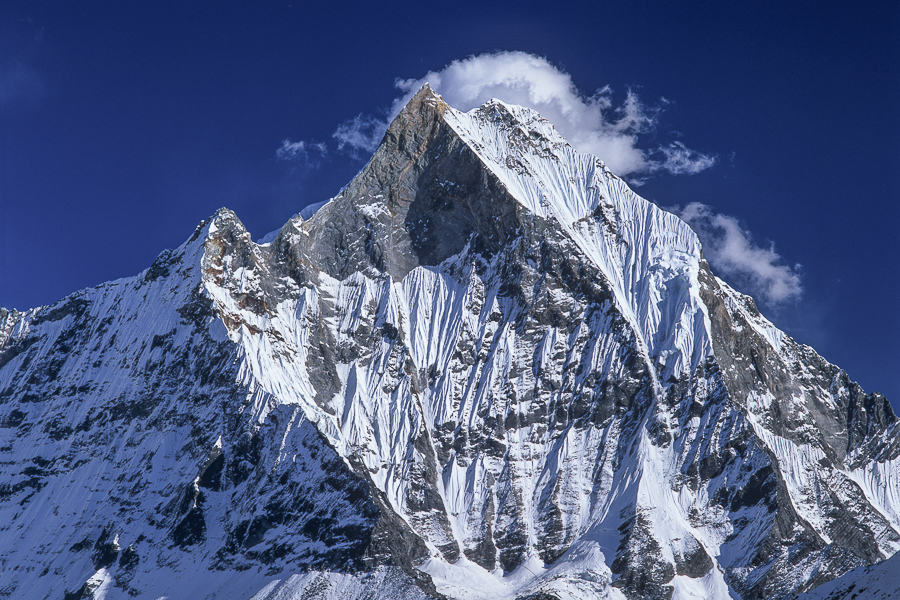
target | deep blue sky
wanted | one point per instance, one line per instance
(123, 124)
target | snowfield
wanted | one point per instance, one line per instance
(486, 369)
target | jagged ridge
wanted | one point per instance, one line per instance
(485, 355)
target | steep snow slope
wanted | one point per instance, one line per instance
(876, 582)
(557, 300)
(136, 460)
(649, 257)
(487, 369)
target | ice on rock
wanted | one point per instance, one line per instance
(485, 369)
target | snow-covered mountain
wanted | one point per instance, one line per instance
(875, 582)
(486, 369)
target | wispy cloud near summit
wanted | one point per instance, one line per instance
(731, 251)
(300, 151)
(592, 123)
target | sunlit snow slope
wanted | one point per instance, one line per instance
(486, 369)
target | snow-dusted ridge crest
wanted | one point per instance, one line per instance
(486, 369)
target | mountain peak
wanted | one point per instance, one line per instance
(425, 107)
(487, 368)
(419, 200)
(426, 95)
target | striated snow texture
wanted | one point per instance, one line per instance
(875, 582)
(486, 369)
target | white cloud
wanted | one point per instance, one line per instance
(681, 160)
(733, 255)
(299, 151)
(591, 123)
(361, 133)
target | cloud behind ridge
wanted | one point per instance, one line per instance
(731, 251)
(592, 124)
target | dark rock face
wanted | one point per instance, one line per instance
(106, 551)
(640, 565)
(421, 199)
(692, 561)
(432, 369)
(820, 408)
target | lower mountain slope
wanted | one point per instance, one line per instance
(875, 582)
(486, 369)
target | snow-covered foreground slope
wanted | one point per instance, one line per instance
(487, 369)
(876, 582)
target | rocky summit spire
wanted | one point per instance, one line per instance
(418, 201)
(486, 369)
